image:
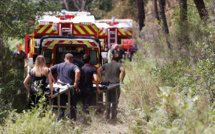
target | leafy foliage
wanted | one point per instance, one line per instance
(16, 13)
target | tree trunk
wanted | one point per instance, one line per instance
(164, 22)
(156, 10)
(66, 5)
(141, 13)
(200, 5)
(183, 9)
(163, 16)
(83, 5)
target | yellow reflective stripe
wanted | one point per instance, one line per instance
(88, 30)
(119, 34)
(121, 31)
(74, 41)
(56, 32)
(66, 41)
(49, 47)
(129, 32)
(101, 33)
(94, 27)
(75, 32)
(49, 31)
(52, 56)
(42, 29)
(79, 29)
(54, 42)
(97, 65)
(51, 65)
(37, 26)
(87, 43)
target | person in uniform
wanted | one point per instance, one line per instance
(131, 51)
(19, 61)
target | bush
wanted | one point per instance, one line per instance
(36, 121)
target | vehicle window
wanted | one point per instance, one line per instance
(61, 51)
(93, 57)
(48, 55)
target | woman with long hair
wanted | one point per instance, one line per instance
(38, 74)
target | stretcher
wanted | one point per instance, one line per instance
(59, 89)
(104, 90)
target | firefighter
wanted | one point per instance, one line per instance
(68, 73)
(132, 50)
(20, 60)
(111, 52)
(88, 73)
(121, 52)
(112, 75)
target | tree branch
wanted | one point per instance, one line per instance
(10, 28)
(66, 5)
(83, 5)
(76, 5)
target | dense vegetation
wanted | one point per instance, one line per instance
(165, 91)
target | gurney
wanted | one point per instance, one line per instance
(104, 90)
(59, 89)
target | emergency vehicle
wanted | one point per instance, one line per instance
(77, 33)
(69, 32)
(115, 31)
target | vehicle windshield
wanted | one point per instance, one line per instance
(61, 51)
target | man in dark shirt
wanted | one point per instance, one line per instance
(132, 50)
(121, 52)
(112, 74)
(20, 57)
(68, 73)
(19, 61)
(88, 73)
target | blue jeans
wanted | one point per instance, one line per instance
(112, 98)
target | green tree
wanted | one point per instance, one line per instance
(14, 15)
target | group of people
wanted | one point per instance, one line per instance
(117, 48)
(68, 73)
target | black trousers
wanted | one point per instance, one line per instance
(35, 95)
(73, 102)
(87, 99)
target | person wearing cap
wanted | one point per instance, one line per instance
(112, 74)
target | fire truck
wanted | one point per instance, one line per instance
(115, 31)
(69, 32)
(77, 33)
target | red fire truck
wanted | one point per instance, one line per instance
(115, 31)
(69, 32)
(77, 33)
